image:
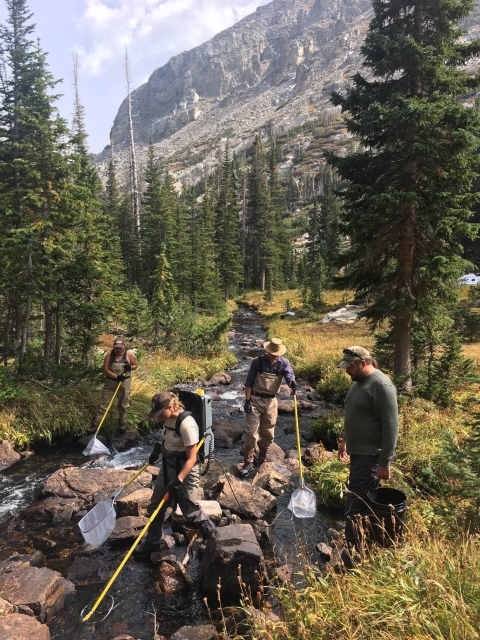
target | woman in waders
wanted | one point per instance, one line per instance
(117, 367)
(261, 407)
(180, 473)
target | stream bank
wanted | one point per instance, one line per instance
(136, 604)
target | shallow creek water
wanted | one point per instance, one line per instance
(136, 606)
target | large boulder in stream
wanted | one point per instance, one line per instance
(40, 590)
(227, 549)
(244, 498)
(19, 627)
(227, 433)
(218, 379)
(53, 509)
(8, 455)
(134, 504)
(92, 485)
(127, 529)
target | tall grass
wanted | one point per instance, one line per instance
(37, 414)
(427, 589)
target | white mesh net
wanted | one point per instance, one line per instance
(303, 503)
(98, 523)
(94, 447)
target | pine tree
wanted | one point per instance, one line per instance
(33, 173)
(163, 297)
(227, 231)
(408, 197)
(153, 231)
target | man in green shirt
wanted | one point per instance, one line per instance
(370, 434)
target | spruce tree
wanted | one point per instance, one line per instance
(153, 232)
(408, 198)
(227, 231)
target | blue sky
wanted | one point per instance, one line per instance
(99, 31)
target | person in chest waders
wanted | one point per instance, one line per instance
(117, 366)
(179, 476)
(261, 407)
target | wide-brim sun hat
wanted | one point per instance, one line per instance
(275, 346)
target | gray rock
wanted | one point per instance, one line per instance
(275, 453)
(285, 572)
(19, 627)
(316, 453)
(93, 570)
(333, 534)
(314, 397)
(211, 507)
(92, 485)
(242, 498)
(54, 509)
(200, 632)
(125, 441)
(218, 379)
(227, 549)
(43, 590)
(324, 551)
(286, 406)
(227, 433)
(270, 479)
(127, 529)
(134, 504)
(8, 455)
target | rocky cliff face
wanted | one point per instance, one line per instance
(276, 67)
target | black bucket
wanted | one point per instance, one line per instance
(388, 507)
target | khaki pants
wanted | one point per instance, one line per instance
(260, 426)
(122, 399)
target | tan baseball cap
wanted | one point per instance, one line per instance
(353, 354)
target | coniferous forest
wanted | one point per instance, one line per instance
(386, 227)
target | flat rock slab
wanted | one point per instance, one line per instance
(16, 562)
(227, 549)
(8, 455)
(92, 485)
(245, 499)
(227, 433)
(211, 507)
(42, 590)
(127, 529)
(19, 627)
(134, 504)
(200, 632)
(54, 509)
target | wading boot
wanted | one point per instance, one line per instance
(245, 470)
(144, 550)
(122, 427)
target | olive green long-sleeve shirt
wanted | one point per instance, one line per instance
(371, 417)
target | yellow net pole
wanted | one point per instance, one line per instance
(131, 550)
(297, 431)
(108, 409)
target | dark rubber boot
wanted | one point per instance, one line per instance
(245, 470)
(144, 550)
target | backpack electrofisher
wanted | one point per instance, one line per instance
(200, 407)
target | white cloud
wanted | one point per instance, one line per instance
(153, 30)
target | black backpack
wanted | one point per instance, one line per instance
(200, 408)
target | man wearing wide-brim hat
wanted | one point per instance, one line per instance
(261, 407)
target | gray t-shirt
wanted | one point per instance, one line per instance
(371, 417)
(189, 434)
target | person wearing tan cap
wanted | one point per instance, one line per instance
(117, 366)
(370, 434)
(180, 474)
(263, 382)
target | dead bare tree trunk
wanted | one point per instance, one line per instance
(133, 159)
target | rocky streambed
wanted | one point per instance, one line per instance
(49, 575)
